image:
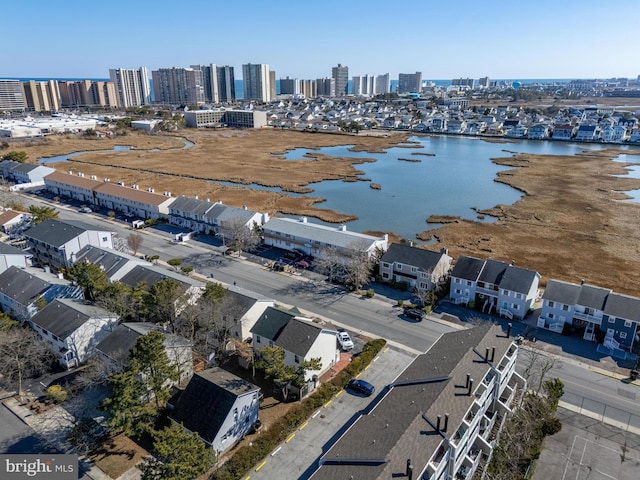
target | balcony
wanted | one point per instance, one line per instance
(588, 318)
(492, 291)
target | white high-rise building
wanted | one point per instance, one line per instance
(363, 85)
(256, 80)
(11, 95)
(133, 86)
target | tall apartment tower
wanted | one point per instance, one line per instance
(340, 75)
(133, 86)
(464, 82)
(256, 80)
(364, 85)
(42, 96)
(484, 82)
(226, 84)
(11, 95)
(383, 84)
(326, 87)
(289, 86)
(272, 84)
(182, 86)
(409, 82)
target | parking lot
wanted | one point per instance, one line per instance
(292, 458)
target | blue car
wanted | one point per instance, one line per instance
(361, 386)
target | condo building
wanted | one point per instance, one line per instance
(409, 82)
(256, 79)
(11, 95)
(132, 86)
(383, 84)
(181, 86)
(41, 96)
(340, 75)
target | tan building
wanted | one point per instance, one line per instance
(11, 95)
(41, 96)
(84, 93)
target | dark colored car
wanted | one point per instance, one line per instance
(361, 386)
(415, 313)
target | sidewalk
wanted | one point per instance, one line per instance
(53, 426)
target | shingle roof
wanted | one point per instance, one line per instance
(593, 297)
(492, 272)
(467, 268)
(133, 194)
(25, 167)
(192, 205)
(62, 317)
(54, 232)
(20, 285)
(623, 306)
(516, 279)
(9, 215)
(400, 425)
(425, 260)
(208, 399)
(271, 322)
(6, 249)
(110, 260)
(151, 274)
(298, 336)
(73, 180)
(561, 292)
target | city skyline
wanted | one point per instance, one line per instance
(570, 39)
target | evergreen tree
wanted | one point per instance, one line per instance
(90, 277)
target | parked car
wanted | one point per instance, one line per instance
(85, 210)
(415, 313)
(345, 340)
(303, 264)
(360, 386)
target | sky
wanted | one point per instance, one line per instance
(445, 39)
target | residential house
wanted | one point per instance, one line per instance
(190, 288)
(490, 285)
(439, 418)
(73, 328)
(56, 242)
(614, 134)
(419, 268)
(221, 407)
(11, 221)
(538, 132)
(319, 240)
(30, 173)
(587, 133)
(299, 337)
(114, 264)
(224, 219)
(591, 309)
(245, 309)
(563, 132)
(77, 187)
(116, 348)
(133, 201)
(11, 256)
(22, 289)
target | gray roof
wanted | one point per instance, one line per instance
(593, 297)
(492, 272)
(325, 235)
(516, 279)
(20, 285)
(6, 249)
(467, 268)
(207, 401)
(400, 425)
(297, 336)
(110, 260)
(151, 274)
(62, 317)
(425, 260)
(54, 232)
(623, 306)
(561, 292)
(192, 205)
(271, 322)
(25, 167)
(121, 341)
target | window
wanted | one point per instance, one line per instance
(515, 306)
(468, 283)
(623, 334)
(551, 304)
(505, 292)
(104, 239)
(258, 339)
(565, 308)
(612, 319)
(385, 275)
(627, 323)
(385, 264)
(551, 316)
(414, 269)
(458, 291)
(296, 359)
(423, 285)
(399, 266)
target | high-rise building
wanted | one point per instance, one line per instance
(484, 82)
(42, 96)
(226, 84)
(340, 75)
(272, 84)
(256, 81)
(309, 88)
(11, 95)
(289, 86)
(383, 84)
(83, 93)
(325, 87)
(363, 85)
(181, 86)
(133, 86)
(464, 82)
(409, 82)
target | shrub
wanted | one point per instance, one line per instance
(56, 394)
(370, 293)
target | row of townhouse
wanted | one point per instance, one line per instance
(438, 420)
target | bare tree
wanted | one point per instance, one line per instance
(239, 236)
(329, 263)
(536, 367)
(359, 265)
(134, 241)
(22, 355)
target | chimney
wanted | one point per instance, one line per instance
(446, 422)
(493, 353)
(486, 354)
(409, 471)
(582, 282)
(444, 251)
(466, 385)
(470, 386)
(438, 423)
(509, 325)
(196, 197)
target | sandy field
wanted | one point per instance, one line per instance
(572, 224)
